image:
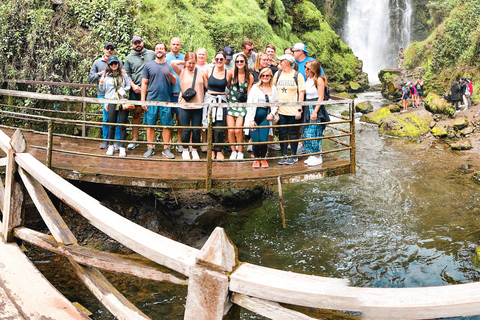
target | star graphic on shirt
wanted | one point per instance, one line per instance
(284, 90)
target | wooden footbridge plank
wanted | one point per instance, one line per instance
(34, 297)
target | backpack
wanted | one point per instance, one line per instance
(467, 90)
(295, 76)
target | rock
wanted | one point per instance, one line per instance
(476, 178)
(345, 113)
(460, 123)
(464, 144)
(393, 79)
(437, 105)
(343, 95)
(364, 107)
(439, 131)
(437, 117)
(467, 131)
(354, 86)
(376, 116)
(409, 125)
(432, 124)
(394, 108)
(465, 166)
(340, 88)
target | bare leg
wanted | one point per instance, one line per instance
(136, 119)
(167, 137)
(239, 132)
(150, 136)
(231, 132)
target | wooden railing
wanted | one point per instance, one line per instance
(344, 139)
(214, 276)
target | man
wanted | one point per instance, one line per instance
(174, 54)
(134, 64)
(270, 51)
(96, 71)
(157, 85)
(247, 50)
(401, 59)
(300, 54)
(229, 56)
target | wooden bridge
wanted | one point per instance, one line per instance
(215, 277)
(60, 136)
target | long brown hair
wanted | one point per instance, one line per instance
(190, 56)
(314, 65)
(260, 55)
(245, 69)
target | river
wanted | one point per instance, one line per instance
(407, 218)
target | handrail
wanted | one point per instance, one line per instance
(214, 273)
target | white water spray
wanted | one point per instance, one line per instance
(376, 30)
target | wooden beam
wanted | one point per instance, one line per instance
(133, 265)
(4, 142)
(268, 309)
(18, 141)
(164, 251)
(108, 295)
(13, 199)
(47, 210)
(3, 162)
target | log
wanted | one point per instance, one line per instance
(218, 252)
(13, 199)
(133, 265)
(268, 309)
(3, 162)
(4, 142)
(164, 251)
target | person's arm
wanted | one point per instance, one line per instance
(205, 78)
(229, 79)
(126, 82)
(175, 64)
(321, 93)
(144, 92)
(94, 74)
(250, 82)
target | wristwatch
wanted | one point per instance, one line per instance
(299, 110)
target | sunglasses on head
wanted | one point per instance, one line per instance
(240, 61)
(219, 59)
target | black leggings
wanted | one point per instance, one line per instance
(288, 132)
(122, 116)
(191, 117)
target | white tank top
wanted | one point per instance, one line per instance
(310, 89)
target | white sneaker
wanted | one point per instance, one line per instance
(233, 156)
(249, 148)
(185, 155)
(316, 161)
(110, 150)
(239, 155)
(122, 152)
(195, 155)
(310, 158)
(204, 148)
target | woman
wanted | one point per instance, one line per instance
(456, 96)
(239, 80)
(291, 87)
(191, 113)
(202, 59)
(314, 91)
(215, 81)
(405, 97)
(260, 63)
(263, 91)
(116, 85)
(413, 93)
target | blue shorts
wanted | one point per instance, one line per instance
(174, 110)
(150, 117)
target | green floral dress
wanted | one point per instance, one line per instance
(232, 97)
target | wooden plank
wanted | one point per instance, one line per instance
(162, 250)
(13, 199)
(4, 142)
(3, 162)
(293, 288)
(47, 210)
(132, 265)
(18, 141)
(108, 295)
(268, 309)
(34, 296)
(8, 310)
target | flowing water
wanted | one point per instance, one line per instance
(409, 217)
(376, 30)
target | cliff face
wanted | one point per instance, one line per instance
(59, 42)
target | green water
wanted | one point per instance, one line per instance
(407, 218)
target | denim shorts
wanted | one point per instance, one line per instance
(150, 117)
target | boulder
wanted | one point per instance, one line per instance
(394, 108)
(464, 144)
(392, 80)
(437, 105)
(440, 131)
(364, 107)
(340, 88)
(345, 113)
(410, 125)
(460, 123)
(343, 95)
(354, 86)
(466, 131)
(376, 116)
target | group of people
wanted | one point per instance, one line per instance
(245, 77)
(415, 92)
(461, 92)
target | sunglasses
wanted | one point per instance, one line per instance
(110, 49)
(219, 59)
(250, 50)
(113, 63)
(137, 42)
(307, 68)
(266, 75)
(240, 61)
(296, 50)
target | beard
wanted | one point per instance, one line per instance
(160, 55)
(138, 48)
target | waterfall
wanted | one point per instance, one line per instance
(376, 30)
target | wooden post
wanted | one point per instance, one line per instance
(49, 144)
(352, 137)
(208, 182)
(84, 111)
(280, 195)
(208, 297)
(13, 196)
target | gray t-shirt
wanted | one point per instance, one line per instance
(159, 85)
(135, 62)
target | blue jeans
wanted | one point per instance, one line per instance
(106, 128)
(313, 146)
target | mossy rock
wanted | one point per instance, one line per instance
(440, 131)
(376, 116)
(340, 88)
(435, 104)
(364, 107)
(410, 125)
(464, 144)
(346, 113)
(466, 131)
(394, 108)
(354, 86)
(343, 95)
(460, 123)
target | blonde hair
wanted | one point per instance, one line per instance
(256, 66)
(264, 70)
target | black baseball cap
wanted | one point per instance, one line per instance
(109, 44)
